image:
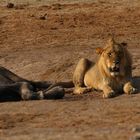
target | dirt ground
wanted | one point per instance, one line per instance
(39, 47)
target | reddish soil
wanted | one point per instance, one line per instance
(39, 47)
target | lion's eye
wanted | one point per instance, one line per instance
(109, 54)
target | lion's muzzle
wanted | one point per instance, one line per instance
(115, 69)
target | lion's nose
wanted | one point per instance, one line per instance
(116, 62)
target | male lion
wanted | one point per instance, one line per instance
(13, 87)
(112, 73)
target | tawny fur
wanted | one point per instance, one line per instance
(112, 73)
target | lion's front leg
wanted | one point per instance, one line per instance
(108, 92)
(129, 89)
(78, 76)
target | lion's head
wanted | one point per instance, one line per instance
(114, 58)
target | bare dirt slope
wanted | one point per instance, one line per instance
(48, 49)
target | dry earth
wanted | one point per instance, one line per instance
(48, 48)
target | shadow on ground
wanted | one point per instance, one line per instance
(136, 81)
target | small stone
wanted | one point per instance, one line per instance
(136, 137)
(10, 5)
(43, 17)
(136, 129)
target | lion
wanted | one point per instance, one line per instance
(112, 73)
(15, 88)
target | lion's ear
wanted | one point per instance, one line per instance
(124, 44)
(110, 41)
(99, 50)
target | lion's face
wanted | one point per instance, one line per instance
(113, 56)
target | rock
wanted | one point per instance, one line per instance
(43, 17)
(10, 5)
(136, 137)
(136, 129)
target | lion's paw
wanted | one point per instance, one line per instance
(78, 91)
(129, 89)
(81, 90)
(132, 90)
(109, 95)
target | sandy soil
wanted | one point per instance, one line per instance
(48, 49)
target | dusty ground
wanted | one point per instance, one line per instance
(49, 49)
